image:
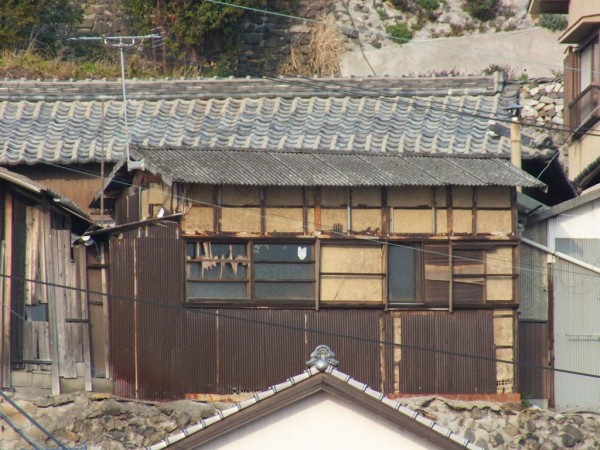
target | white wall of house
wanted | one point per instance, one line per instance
(320, 422)
(576, 291)
(577, 223)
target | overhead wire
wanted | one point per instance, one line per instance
(221, 315)
(543, 269)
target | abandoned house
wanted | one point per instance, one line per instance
(44, 327)
(381, 216)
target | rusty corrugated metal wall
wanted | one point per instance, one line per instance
(184, 350)
(466, 332)
(161, 349)
(533, 349)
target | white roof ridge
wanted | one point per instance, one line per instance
(290, 382)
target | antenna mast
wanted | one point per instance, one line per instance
(123, 42)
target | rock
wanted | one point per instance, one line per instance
(510, 430)
(498, 439)
(567, 440)
(482, 443)
(574, 432)
(534, 91)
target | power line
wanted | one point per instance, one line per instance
(537, 269)
(220, 315)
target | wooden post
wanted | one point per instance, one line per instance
(6, 291)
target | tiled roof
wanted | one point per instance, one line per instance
(80, 122)
(319, 168)
(306, 375)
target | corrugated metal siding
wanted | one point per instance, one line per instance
(468, 332)
(577, 326)
(533, 278)
(533, 349)
(183, 350)
(121, 312)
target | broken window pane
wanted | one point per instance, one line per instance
(282, 252)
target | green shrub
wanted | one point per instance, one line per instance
(429, 5)
(399, 31)
(482, 9)
(554, 22)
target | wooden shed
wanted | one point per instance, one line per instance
(45, 318)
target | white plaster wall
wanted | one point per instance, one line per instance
(320, 422)
(578, 223)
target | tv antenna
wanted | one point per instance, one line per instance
(122, 43)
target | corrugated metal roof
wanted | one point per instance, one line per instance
(296, 168)
(82, 122)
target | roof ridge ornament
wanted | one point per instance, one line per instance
(322, 357)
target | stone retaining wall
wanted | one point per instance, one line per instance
(106, 422)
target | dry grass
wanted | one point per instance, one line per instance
(322, 57)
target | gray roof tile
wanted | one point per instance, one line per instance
(63, 122)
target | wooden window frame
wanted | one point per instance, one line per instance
(249, 280)
(584, 107)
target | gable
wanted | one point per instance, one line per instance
(321, 421)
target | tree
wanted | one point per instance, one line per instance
(187, 23)
(38, 23)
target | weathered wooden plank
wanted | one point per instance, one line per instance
(6, 289)
(62, 277)
(47, 257)
(81, 263)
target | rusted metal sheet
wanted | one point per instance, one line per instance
(121, 315)
(466, 332)
(533, 349)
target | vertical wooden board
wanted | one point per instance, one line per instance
(366, 221)
(63, 246)
(494, 221)
(284, 220)
(29, 250)
(366, 196)
(410, 197)
(493, 197)
(5, 365)
(47, 257)
(412, 221)
(82, 285)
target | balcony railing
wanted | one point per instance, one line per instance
(584, 110)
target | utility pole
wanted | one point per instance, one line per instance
(122, 43)
(514, 111)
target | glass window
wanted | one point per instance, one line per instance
(404, 273)
(217, 270)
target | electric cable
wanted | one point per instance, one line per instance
(116, 297)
